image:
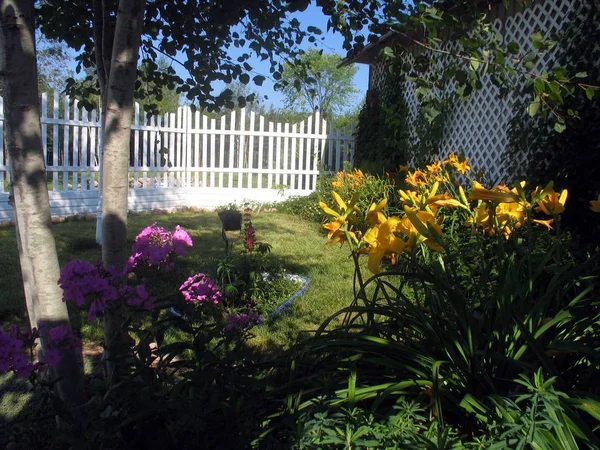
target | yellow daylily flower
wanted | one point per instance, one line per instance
(499, 194)
(327, 210)
(445, 200)
(404, 168)
(382, 241)
(546, 223)
(416, 178)
(412, 198)
(422, 223)
(553, 203)
(595, 205)
(341, 203)
(374, 214)
(434, 168)
(510, 212)
(453, 161)
(337, 233)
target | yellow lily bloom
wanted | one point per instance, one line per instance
(382, 241)
(546, 223)
(499, 194)
(337, 234)
(423, 225)
(416, 178)
(445, 200)
(374, 214)
(595, 205)
(510, 213)
(553, 203)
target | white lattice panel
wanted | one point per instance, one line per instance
(477, 126)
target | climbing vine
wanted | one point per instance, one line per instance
(536, 148)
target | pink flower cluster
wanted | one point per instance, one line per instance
(200, 289)
(242, 321)
(84, 282)
(15, 344)
(156, 246)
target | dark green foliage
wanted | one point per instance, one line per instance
(306, 207)
(382, 132)
(573, 156)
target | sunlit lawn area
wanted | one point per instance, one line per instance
(298, 246)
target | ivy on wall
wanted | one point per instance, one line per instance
(382, 134)
(573, 156)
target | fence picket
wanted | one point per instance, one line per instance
(293, 182)
(76, 133)
(241, 149)
(299, 179)
(213, 127)
(231, 147)
(261, 140)
(250, 164)
(55, 137)
(84, 148)
(66, 143)
(223, 120)
(270, 157)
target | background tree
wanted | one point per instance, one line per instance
(165, 99)
(315, 81)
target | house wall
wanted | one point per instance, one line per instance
(477, 126)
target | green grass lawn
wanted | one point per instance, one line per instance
(298, 246)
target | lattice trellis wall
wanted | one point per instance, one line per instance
(477, 126)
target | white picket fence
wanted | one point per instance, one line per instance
(184, 158)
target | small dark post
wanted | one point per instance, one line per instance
(231, 220)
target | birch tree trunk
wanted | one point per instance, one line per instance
(116, 143)
(28, 173)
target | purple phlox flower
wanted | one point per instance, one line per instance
(83, 281)
(64, 338)
(242, 321)
(200, 289)
(12, 354)
(139, 297)
(155, 245)
(181, 240)
(51, 357)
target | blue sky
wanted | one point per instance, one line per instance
(331, 43)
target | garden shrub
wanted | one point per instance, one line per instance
(475, 311)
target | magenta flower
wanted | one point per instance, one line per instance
(242, 321)
(200, 289)
(84, 282)
(181, 240)
(139, 297)
(51, 357)
(12, 354)
(155, 246)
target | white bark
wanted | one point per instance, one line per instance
(28, 174)
(115, 165)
